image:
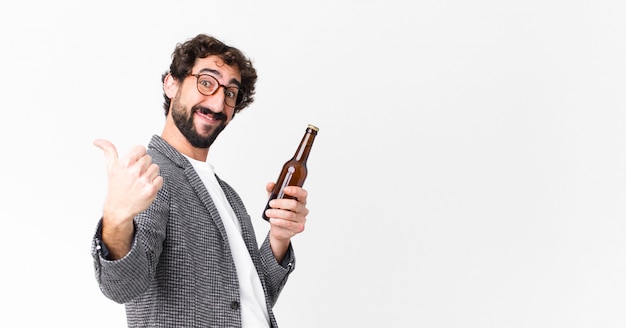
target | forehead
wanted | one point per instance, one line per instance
(215, 63)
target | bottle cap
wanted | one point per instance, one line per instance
(311, 126)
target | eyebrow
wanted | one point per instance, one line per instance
(218, 74)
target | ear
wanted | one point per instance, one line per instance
(170, 86)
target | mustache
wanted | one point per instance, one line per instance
(207, 111)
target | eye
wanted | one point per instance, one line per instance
(231, 93)
(207, 82)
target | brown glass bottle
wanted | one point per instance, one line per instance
(294, 171)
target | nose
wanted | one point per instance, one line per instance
(216, 101)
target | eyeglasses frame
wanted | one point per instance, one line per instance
(241, 97)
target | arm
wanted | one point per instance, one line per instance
(121, 247)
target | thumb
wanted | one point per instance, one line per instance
(110, 152)
(269, 187)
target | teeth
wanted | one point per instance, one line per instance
(206, 114)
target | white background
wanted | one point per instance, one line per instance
(469, 170)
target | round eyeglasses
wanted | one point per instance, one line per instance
(208, 85)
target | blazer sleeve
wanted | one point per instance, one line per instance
(276, 273)
(124, 279)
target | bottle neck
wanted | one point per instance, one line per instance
(302, 153)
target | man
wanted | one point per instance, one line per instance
(175, 243)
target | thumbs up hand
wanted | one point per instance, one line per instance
(133, 183)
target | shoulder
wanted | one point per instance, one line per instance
(163, 154)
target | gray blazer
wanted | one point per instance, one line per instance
(180, 271)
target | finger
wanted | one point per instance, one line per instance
(287, 208)
(144, 163)
(152, 172)
(298, 192)
(110, 153)
(158, 182)
(285, 204)
(292, 226)
(133, 155)
(269, 187)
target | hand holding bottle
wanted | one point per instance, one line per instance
(287, 217)
(294, 171)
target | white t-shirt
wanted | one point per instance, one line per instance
(253, 309)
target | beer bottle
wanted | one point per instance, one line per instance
(294, 170)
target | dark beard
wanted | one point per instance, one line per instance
(184, 121)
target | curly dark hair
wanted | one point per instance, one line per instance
(201, 46)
